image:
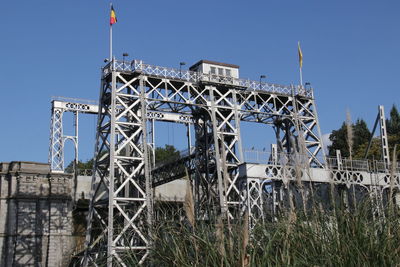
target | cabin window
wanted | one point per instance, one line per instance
(228, 73)
(213, 70)
(221, 71)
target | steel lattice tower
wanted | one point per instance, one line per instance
(120, 212)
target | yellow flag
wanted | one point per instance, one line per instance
(300, 55)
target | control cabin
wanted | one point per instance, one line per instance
(216, 68)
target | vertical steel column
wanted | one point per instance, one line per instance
(218, 159)
(206, 193)
(189, 137)
(121, 193)
(237, 124)
(226, 128)
(254, 201)
(76, 160)
(96, 224)
(384, 140)
(112, 143)
(315, 113)
(56, 153)
(305, 116)
(151, 141)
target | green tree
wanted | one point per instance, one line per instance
(361, 133)
(393, 123)
(162, 154)
(166, 153)
(340, 142)
(374, 153)
(88, 165)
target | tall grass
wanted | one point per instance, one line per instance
(341, 238)
(350, 134)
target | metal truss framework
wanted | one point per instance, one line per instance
(60, 105)
(274, 188)
(121, 202)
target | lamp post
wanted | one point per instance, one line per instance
(180, 68)
(123, 59)
(262, 77)
(307, 87)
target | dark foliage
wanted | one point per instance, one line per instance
(340, 141)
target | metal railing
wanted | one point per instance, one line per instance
(74, 100)
(191, 76)
(347, 164)
(265, 157)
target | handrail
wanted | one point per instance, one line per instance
(191, 76)
(75, 100)
(265, 157)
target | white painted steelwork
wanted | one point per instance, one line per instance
(132, 95)
(59, 105)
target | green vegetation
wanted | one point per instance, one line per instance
(87, 165)
(341, 236)
(336, 238)
(162, 154)
(361, 137)
(166, 153)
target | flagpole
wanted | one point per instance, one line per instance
(111, 43)
(111, 57)
(301, 77)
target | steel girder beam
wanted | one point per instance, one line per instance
(120, 206)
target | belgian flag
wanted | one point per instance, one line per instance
(113, 16)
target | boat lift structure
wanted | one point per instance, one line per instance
(211, 99)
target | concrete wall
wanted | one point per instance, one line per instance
(172, 191)
(83, 187)
(36, 215)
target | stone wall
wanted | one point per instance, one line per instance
(35, 215)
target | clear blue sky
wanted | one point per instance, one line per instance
(56, 48)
